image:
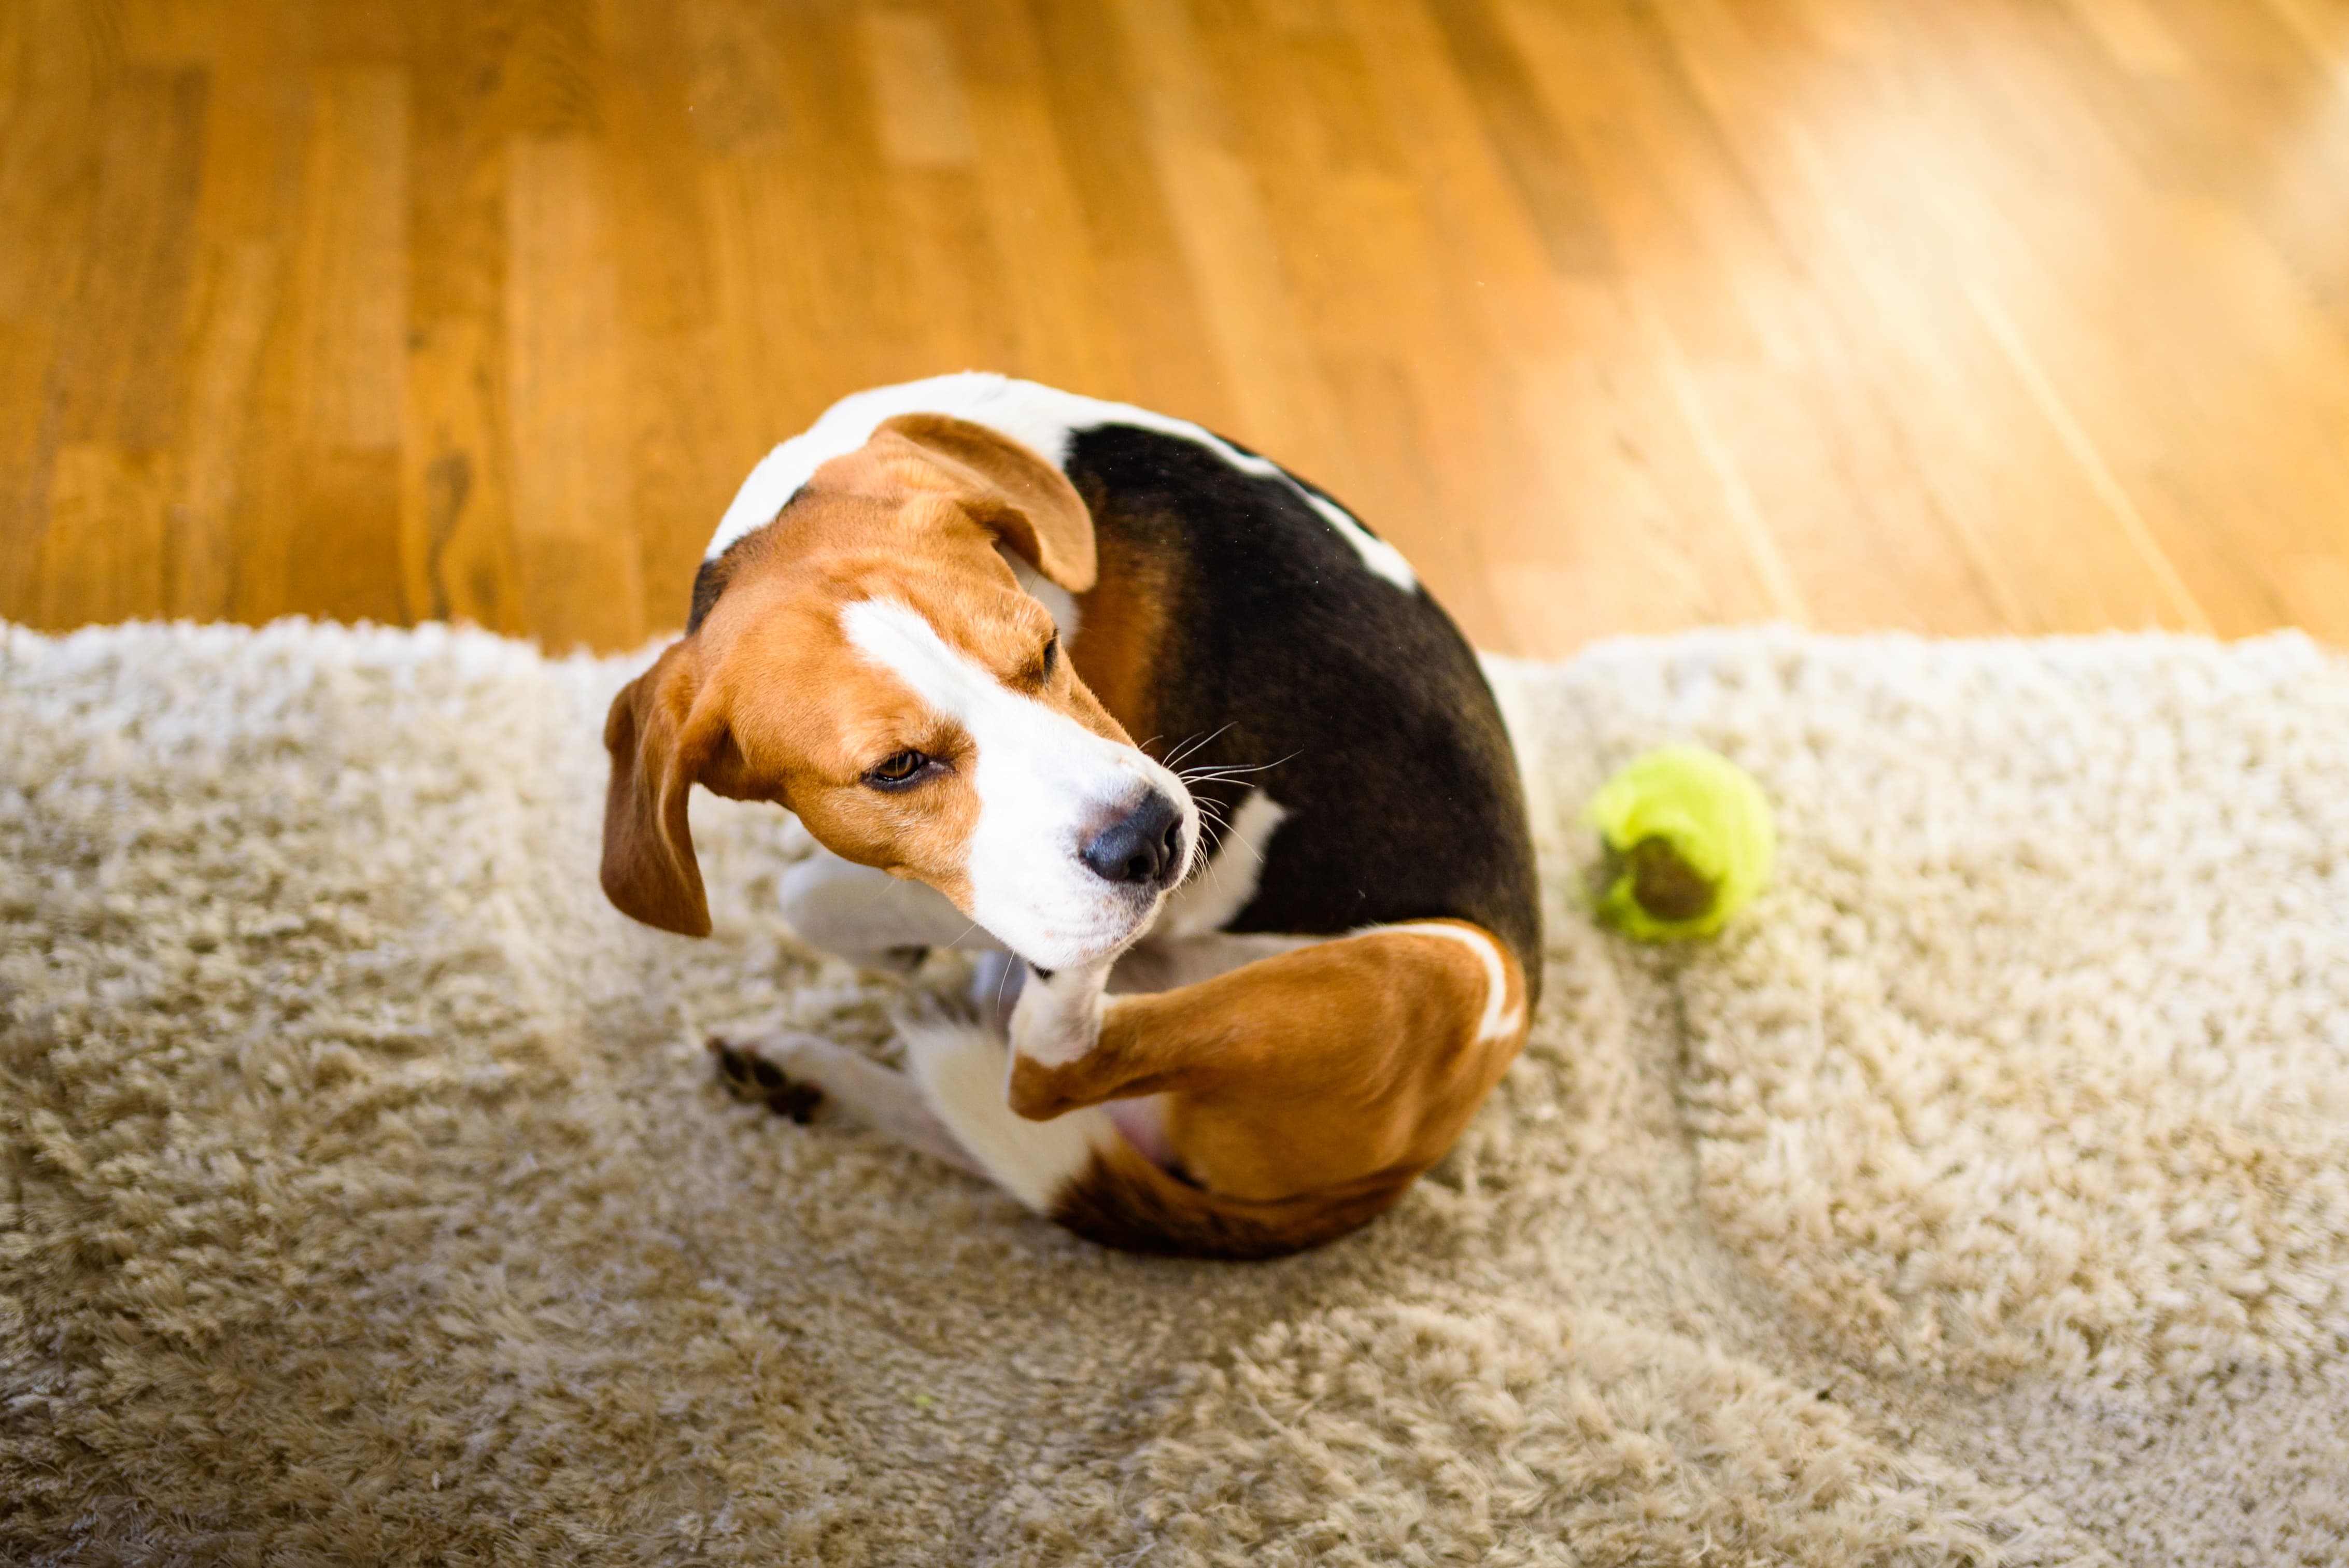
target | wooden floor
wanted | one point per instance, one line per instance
(1965, 315)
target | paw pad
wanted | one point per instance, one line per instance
(752, 1077)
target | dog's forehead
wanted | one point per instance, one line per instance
(830, 547)
(829, 635)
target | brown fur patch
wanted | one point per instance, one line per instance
(658, 753)
(1009, 489)
(1123, 1200)
(1123, 627)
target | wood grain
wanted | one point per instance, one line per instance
(1617, 316)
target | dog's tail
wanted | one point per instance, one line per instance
(1124, 1199)
(1079, 1171)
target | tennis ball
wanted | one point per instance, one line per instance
(1689, 842)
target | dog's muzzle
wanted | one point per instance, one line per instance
(1142, 849)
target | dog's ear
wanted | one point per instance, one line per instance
(661, 742)
(1030, 504)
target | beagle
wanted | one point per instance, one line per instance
(1263, 978)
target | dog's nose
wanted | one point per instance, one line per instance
(1142, 846)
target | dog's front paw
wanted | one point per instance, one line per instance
(1058, 1016)
(750, 1077)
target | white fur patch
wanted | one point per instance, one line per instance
(1043, 781)
(1058, 1017)
(1500, 1019)
(1037, 416)
(1220, 890)
(960, 1069)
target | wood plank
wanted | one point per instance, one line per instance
(104, 548)
(458, 556)
(322, 535)
(351, 270)
(49, 149)
(688, 453)
(240, 301)
(2134, 34)
(919, 104)
(112, 401)
(240, 241)
(581, 575)
(1550, 182)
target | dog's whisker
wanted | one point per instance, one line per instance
(1189, 747)
(1177, 752)
(1202, 866)
(1213, 832)
(1231, 770)
(1215, 872)
(1193, 744)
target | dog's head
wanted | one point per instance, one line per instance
(871, 662)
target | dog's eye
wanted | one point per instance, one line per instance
(1051, 656)
(897, 771)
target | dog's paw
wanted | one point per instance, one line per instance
(750, 1077)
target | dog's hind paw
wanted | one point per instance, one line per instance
(750, 1077)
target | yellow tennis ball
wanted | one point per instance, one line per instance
(1689, 842)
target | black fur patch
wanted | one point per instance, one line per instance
(710, 578)
(1359, 703)
(708, 582)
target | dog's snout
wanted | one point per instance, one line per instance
(1145, 847)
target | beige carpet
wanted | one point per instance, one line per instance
(1985, 1196)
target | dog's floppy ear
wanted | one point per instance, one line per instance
(1030, 504)
(661, 746)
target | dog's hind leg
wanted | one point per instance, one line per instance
(789, 1072)
(1355, 1060)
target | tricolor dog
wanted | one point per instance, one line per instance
(1265, 976)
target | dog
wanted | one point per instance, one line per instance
(1263, 980)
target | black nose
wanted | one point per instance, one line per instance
(1142, 846)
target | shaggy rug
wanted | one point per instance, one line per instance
(1981, 1197)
